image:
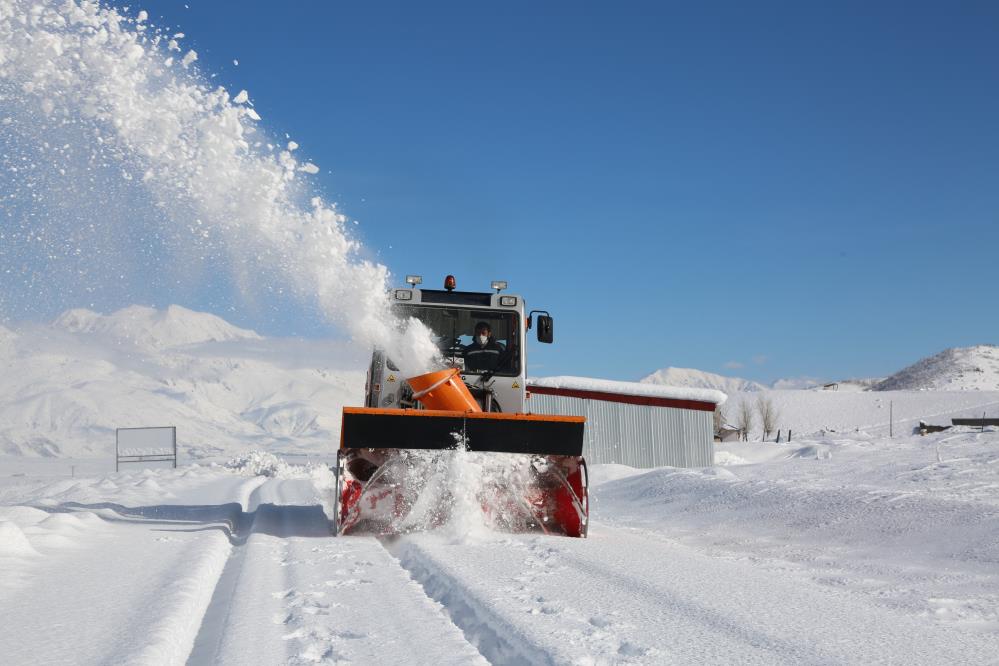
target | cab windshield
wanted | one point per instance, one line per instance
(454, 332)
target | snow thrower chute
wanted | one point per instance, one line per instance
(402, 470)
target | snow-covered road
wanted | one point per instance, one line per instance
(206, 565)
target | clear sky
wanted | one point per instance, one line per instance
(758, 189)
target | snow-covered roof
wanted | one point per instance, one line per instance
(629, 388)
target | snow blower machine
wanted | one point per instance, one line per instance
(459, 440)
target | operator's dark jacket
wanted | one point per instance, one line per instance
(486, 357)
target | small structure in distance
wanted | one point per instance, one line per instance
(139, 445)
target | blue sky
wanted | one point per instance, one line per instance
(782, 189)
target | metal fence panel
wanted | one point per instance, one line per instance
(137, 445)
(636, 435)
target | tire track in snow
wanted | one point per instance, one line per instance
(618, 598)
(209, 636)
(150, 570)
(495, 592)
(489, 634)
(189, 598)
(295, 594)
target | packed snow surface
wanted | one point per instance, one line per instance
(628, 388)
(825, 550)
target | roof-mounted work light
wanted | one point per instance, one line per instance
(414, 279)
(498, 285)
(449, 283)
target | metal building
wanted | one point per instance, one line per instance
(641, 425)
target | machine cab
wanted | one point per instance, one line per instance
(494, 372)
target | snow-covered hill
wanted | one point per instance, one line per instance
(7, 338)
(65, 387)
(150, 328)
(957, 369)
(692, 378)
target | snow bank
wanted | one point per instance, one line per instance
(629, 388)
(261, 463)
(13, 541)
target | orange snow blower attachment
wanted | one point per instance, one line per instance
(406, 470)
(443, 390)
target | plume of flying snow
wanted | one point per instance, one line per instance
(219, 192)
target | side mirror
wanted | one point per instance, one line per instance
(546, 328)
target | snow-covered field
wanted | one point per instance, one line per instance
(827, 550)
(843, 546)
(65, 386)
(868, 413)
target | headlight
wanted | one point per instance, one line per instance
(508, 301)
(403, 295)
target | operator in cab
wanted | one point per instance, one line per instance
(484, 354)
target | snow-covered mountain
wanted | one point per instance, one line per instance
(150, 328)
(793, 383)
(956, 369)
(692, 378)
(66, 386)
(7, 338)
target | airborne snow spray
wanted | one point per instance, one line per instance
(128, 177)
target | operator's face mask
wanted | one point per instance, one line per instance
(483, 339)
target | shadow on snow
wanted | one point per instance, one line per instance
(271, 519)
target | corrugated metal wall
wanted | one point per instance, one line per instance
(636, 435)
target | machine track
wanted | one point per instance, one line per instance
(620, 597)
(292, 593)
(246, 571)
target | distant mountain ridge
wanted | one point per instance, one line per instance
(956, 369)
(693, 378)
(973, 368)
(150, 328)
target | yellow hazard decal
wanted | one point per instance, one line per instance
(391, 378)
(515, 384)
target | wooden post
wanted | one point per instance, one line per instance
(891, 418)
